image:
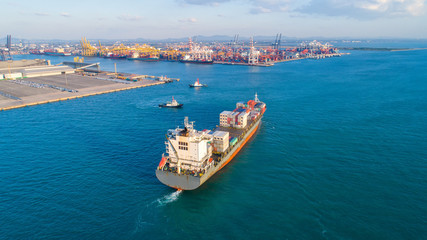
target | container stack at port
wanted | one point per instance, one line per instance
(235, 53)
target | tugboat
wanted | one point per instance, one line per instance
(197, 84)
(173, 104)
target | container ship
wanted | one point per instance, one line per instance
(56, 53)
(199, 60)
(115, 56)
(192, 156)
(36, 52)
(141, 57)
(50, 52)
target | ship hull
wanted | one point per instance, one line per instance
(166, 106)
(145, 59)
(175, 180)
(57, 54)
(115, 57)
(188, 182)
(196, 61)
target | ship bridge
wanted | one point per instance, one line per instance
(188, 148)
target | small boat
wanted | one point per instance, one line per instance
(173, 104)
(197, 84)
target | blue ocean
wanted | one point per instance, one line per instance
(341, 154)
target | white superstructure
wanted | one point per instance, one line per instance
(189, 149)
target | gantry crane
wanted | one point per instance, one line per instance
(87, 49)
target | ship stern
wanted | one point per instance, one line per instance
(178, 181)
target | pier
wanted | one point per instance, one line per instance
(52, 83)
(90, 67)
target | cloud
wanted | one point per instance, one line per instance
(257, 10)
(365, 9)
(269, 6)
(205, 2)
(358, 9)
(188, 20)
(258, 6)
(15, 4)
(64, 14)
(41, 14)
(127, 17)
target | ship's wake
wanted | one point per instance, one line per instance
(146, 217)
(172, 197)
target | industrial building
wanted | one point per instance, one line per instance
(11, 70)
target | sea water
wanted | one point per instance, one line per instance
(341, 154)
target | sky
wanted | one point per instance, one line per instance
(162, 19)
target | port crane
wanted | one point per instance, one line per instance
(253, 54)
(276, 44)
(171, 54)
(87, 49)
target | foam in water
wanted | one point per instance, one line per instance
(169, 198)
(142, 216)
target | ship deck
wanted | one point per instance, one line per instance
(233, 132)
(218, 157)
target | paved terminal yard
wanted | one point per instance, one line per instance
(44, 89)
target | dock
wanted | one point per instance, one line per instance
(48, 87)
